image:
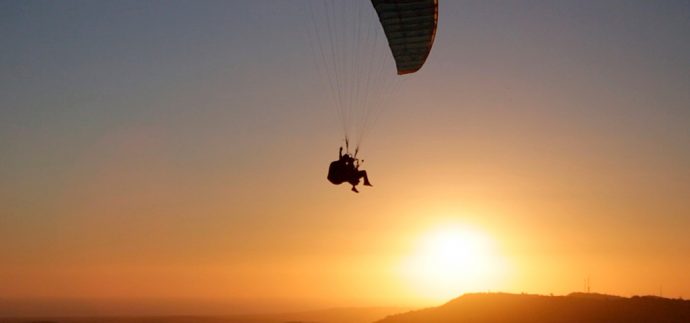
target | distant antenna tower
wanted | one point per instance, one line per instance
(588, 285)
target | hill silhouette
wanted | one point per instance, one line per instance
(471, 308)
(576, 307)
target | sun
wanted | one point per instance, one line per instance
(453, 259)
(450, 254)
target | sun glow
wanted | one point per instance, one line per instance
(451, 260)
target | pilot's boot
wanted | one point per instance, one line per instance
(354, 189)
(366, 182)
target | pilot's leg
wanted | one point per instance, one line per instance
(361, 174)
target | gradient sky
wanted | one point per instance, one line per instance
(178, 150)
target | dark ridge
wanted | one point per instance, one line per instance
(575, 307)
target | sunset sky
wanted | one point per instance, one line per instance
(175, 153)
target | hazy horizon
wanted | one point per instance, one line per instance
(87, 307)
(179, 150)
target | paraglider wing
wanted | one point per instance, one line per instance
(410, 26)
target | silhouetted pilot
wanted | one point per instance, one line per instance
(345, 169)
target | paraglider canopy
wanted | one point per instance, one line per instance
(410, 26)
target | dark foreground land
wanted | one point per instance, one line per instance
(577, 307)
(338, 315)
(469, 308)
